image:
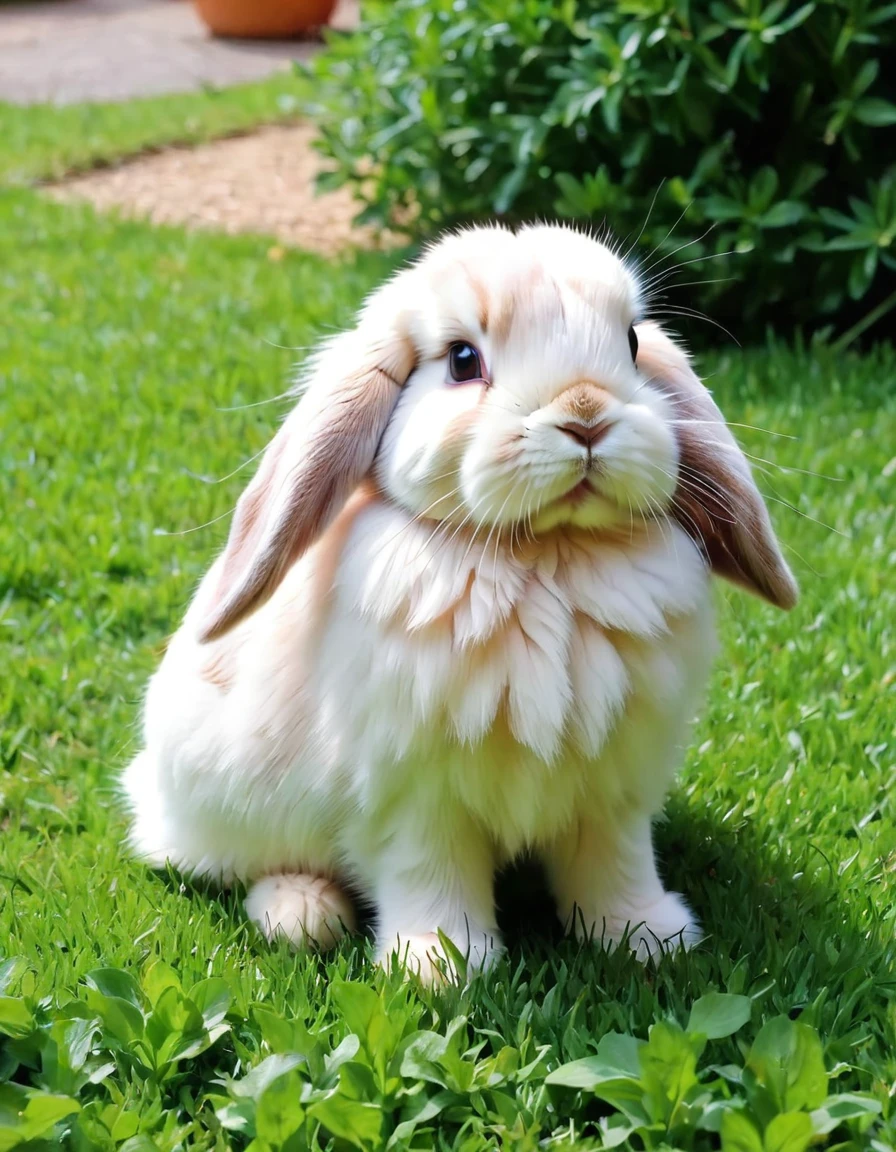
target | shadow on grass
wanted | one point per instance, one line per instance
(788, 939)
(791, 942)
(791, 935)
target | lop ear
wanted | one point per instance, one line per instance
(717, 501)
(323, 451)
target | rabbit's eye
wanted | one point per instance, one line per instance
(633, 343)
(464, 363)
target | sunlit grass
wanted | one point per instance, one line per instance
(120, 350)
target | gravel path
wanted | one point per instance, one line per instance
(263, 182)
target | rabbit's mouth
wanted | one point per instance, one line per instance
(582, 506)
(583, 491)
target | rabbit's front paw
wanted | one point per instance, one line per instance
(665, 926)
(424, 957)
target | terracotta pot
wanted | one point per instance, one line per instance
(264, 19)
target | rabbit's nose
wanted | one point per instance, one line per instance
(586, 434)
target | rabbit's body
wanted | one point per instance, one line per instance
(428, 685)
(400, 680)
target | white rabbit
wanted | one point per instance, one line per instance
(463, 612)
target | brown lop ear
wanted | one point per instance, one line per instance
(717, 501)
(323, 451)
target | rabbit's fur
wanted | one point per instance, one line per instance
(429, 646)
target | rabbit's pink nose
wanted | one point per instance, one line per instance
(585, 434)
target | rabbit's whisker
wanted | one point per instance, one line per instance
(695, 485)
(805, 515)
(289, 347)
(693, 314)
(256, 403)
(422, 516)
(657, 263)
(734, 424)
(221, 480)
(699, 283)
(634, 242)
(758, 460)
(651, 284)
(661, 519)
(195, 528)
(658, 246)
(495, 525)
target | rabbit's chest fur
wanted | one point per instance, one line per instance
(403, 675)
(496, 679)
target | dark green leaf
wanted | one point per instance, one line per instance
(427, 1108)
(121, 1019)
(279, 1113)
(213, 998)
(787, 1063)
(837, 1109)
(668, 1068)
(117, 983)
(158, 978)
(29, 1115)
(139, 1143)
(789, 1132)
(15, 1017)
(258, 1079)
(507, 189)
(358, 1004)
(358, 1123)
(782, 214)
(719, 1014)
(616, 1059)
(11, 971)
(739, 1133)
(877, 113)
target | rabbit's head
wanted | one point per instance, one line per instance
(504, 385)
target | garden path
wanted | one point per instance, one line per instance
(262, 182)
(68, 51)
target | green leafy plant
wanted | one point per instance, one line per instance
(363, 1072)
(70, 1052)
(779, 1099)
(751, 141)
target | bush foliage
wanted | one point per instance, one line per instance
(764, 130)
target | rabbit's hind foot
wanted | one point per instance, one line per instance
(307, 910)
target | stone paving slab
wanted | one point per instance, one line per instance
(67, 51)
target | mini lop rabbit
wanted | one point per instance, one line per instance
(463, 612)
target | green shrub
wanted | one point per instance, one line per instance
(728, 126)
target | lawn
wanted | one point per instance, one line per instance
(139, 1012)
(46, 141)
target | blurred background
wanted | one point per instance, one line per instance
(748, 144)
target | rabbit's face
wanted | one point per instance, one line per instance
(499, 385)
(527, 406)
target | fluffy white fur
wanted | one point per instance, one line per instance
(460, 652)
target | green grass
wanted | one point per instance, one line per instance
(122, 350)
(44, 142)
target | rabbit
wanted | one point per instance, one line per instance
(463, 613)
